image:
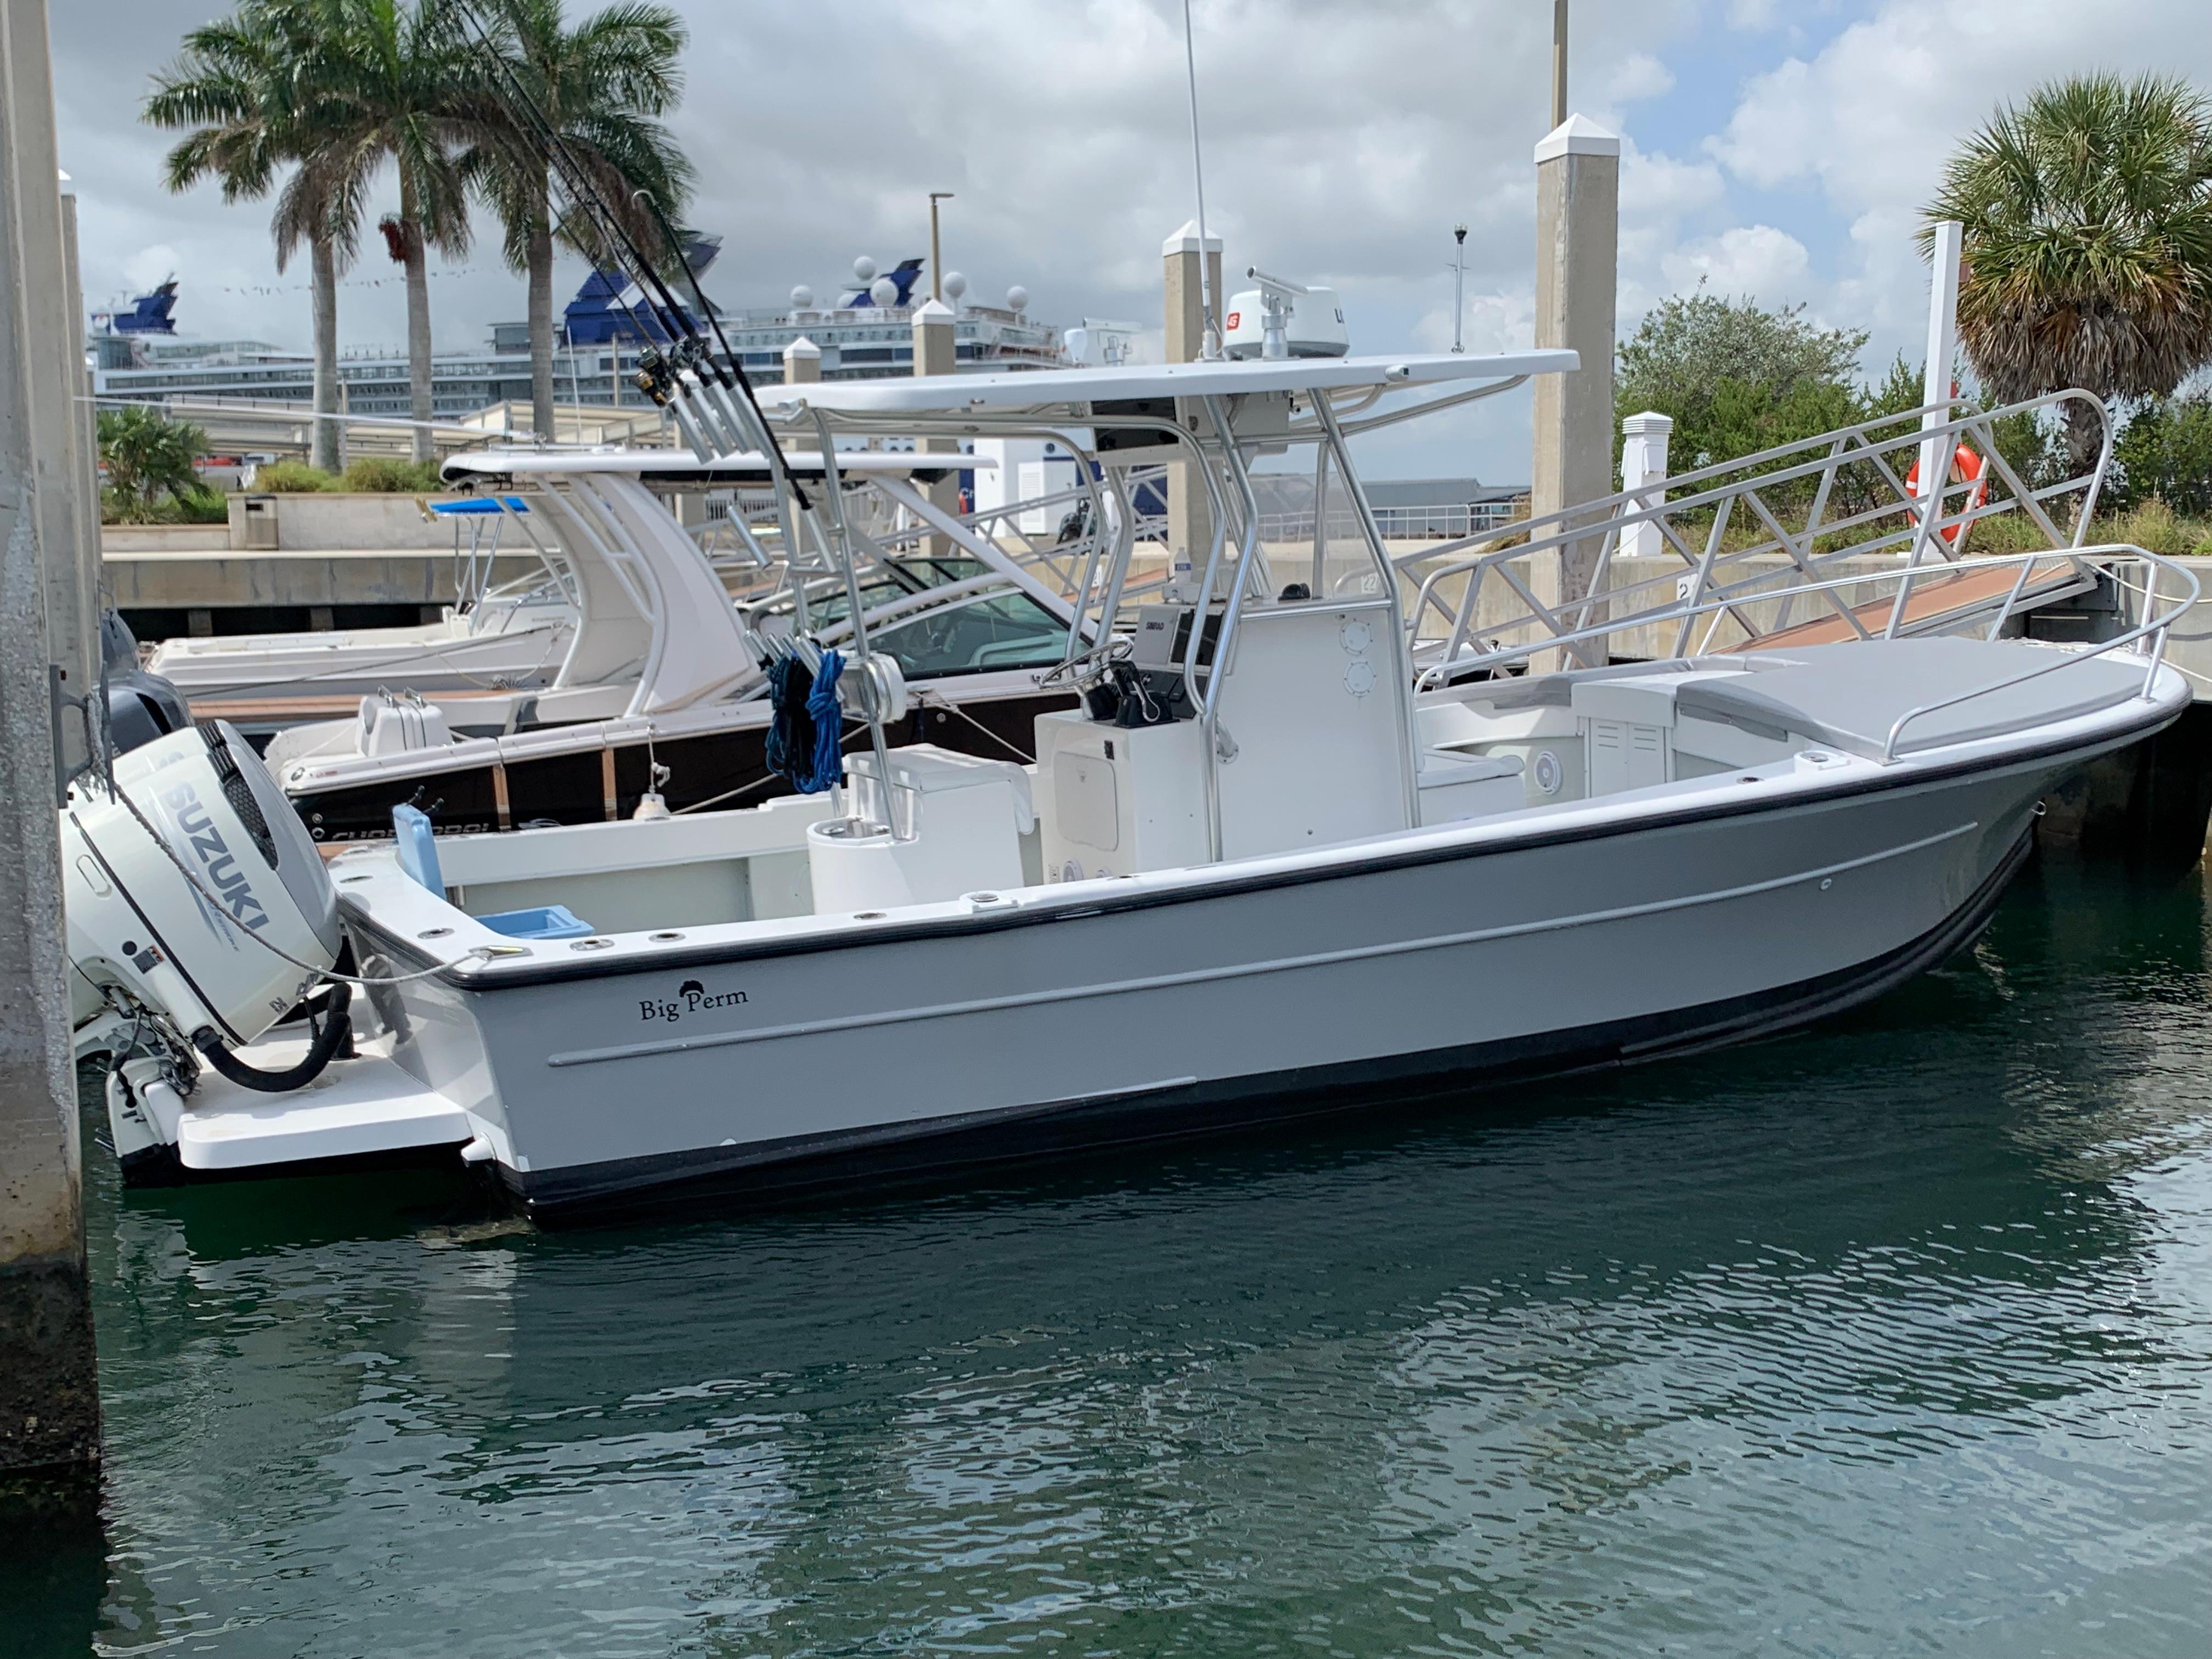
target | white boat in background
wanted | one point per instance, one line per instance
(511, 637)
(1295, 849)
(662, 688)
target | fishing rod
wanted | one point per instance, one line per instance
(744, 381)
(661, 378)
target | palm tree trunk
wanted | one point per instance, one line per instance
(323, 276)
(418, 321)
(541, 329)
(2085, 436)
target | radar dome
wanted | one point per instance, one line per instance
(883, 291)
(864, 268)
(955, 284)
(802, 298)
(1018, 298)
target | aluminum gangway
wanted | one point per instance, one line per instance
(1762, 552)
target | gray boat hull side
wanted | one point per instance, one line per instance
(814, 1166)
(1502, 947)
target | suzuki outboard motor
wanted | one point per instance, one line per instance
(199, 916)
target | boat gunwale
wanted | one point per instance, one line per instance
(1221, 880)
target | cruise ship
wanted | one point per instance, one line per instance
(137, 355)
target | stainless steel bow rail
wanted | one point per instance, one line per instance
(2154, 628)
(1927, 524)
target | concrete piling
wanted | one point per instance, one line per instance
(1190, 520)
(802, 361)
(936, 351)
(1578, 236)
(49, 1392)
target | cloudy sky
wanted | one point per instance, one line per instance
(1777, 147)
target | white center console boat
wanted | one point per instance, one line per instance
(1293, 851)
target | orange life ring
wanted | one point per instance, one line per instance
(1968, 466)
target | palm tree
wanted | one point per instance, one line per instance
(2087, 213)
(147, 456)
(242, 86)
(597, 87)
(387, 82)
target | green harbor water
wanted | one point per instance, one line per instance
(1891, 1338)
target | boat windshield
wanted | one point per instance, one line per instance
(1004, 629)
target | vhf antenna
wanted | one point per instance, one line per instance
(1211, 348)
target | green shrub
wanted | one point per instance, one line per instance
(203, 506)
(2152, 525)
(291, 478)
(386, 475)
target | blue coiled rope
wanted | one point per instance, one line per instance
(806, 725)
(829, 716)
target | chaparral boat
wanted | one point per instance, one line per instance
(1292, 849)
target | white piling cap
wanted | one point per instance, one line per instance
(1577, 135)
(1186, 241)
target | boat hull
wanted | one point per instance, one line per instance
(1245, 1000)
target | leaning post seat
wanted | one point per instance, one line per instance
(418, 857)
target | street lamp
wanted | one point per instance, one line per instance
(1459, 284)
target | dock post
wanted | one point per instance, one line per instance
(1577, 239)
(936, 351)
(1190, 521)
(802, 361)
(1644, 442)
(49, 1391)
(1942, 347)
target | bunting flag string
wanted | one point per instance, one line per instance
(397, 280)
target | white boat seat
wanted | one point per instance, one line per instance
(1849, 695)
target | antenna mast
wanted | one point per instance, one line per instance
(1211, 350)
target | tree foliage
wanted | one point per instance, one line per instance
(2087, 217)
(1735, 377)
(148, 461)
(2165, 454)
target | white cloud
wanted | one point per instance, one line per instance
(1638, 77)
(150, 265)
(1753, 260)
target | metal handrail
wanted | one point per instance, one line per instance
(1927, 526)
(2153, 626)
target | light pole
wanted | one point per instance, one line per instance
(936, 258)
(1459, 284)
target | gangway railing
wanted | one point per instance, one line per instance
(1786, 497)
(2146, 638)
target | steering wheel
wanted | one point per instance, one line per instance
(1083, 664)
